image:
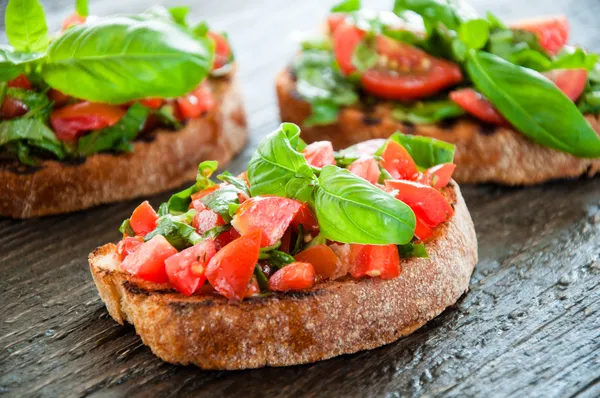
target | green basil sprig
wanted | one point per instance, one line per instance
(220, 200)
(13, 63)
(177, 230)
(82, 8)
(180, 202)
(26, 27)
(33, 132)
(425, 151)
(533, 104)
(427, 112)
(346, 6)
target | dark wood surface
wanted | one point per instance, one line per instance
(530, 326)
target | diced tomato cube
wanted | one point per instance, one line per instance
(128, 245)
(12, 108)
(231, 269)
(70, 121)
(319, 153)
(428, 203)
(552, 32)
(186, 269)
(334, 21)
(422, 231)
(197, 102)
(372, 260)
(477, 105)
(323, 259)
(20, 81)
(222, 50)
(253, 288)
(366, 168)
(200, 194)
(226, 237)
(398, 162)
(207, 219)
(572, 82)
(143, 219)
(342, 251)
(148, 261)
(271, 215)
(437, 176)
(294, 276)
(305, 218)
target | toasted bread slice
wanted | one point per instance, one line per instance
(484, 153)
(333, 318)
(166, 161)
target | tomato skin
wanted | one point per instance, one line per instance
(323, 259)
(226, 237)
(270, 215)
(342, 251)
(372, 260)
(20, 81)
(477, 105)
(305, 218)
(222, 50)
(148, 261)
(231, 269)
(152, 103)
(319, 153)
(428, 203)
(12, 108)
(206, 219)
(437, 176)
(128, 245)
(70, 121)
(72, 20)
(422, 231)
(398, 162)
(294, 276)
(253, 288)
(552, 32)
(345, 39)
(143, 219)
(366, 168)
(186, 269)
(197, 102)
(334, 21)
(570, 81)
(200, 194)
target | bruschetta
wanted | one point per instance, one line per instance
(308, 254)
(126, 112)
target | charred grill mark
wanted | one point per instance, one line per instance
(371, 120)
(448, 124)
(487, 129)
(17, 168)
(135, 289)
(76, 161)
(408, 128)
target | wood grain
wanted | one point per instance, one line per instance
(530, 326)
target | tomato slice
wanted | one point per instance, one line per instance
(226, 237)
(20, 81)
(305, 218)
(334, 21)
(570, 81)
(253, 288)
(428, 203)
(342, 251)
(552, 33)
(319, 153)
(230, 270)
(477, 105)
(70, 121)
(323, 259)
(345, 39)
(128, 245)
(294, 276)
(186, 269)
(148, 261)
(197, 102)
(72, 20)
(422, 231)
(271, 215)
(437, 176)
(222, 50)
(206, 219)
(366, 168)
(143, 219)
(12, 108)
(372, 260)
(398, 162)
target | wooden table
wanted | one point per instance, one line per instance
(530, 326)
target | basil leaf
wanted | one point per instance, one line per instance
(321, 43)
(346, 6)
(590, 102)
(163, 209)
(404, 36)
(236, 182)
(410, 250)
(166, 114)
(81, 7)
(352, 210)
(519, 47)
(33, 132)
(26, 27)
(322, 114)
(180, 201)
(179, 14)
(13, 63)
(446, 12)
(261, 278)
(219, 200)
(205, 170)
(126, 228)
(176, 231)
(38, 104)
(427, 112)
(279, 259)
(276, 168)
(575, 58)
(474, 33)
(533, 104)
(364, 56)
(117, 137)
(425, 151)
(120, 59)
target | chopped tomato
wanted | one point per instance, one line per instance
(271, 215)
(373, 260)
(422, 231)
(143, 219)
(197, 102)
(334, 21)
(437, 176)
(148, 261)
(152, 103)
(186, 269)
(345, 39)
(253, 288)
(477, 105)
(230, 270)
(20, 81)
(206, 219)
(398, 162)
(323, 259)
(200, 194)
(70, 121)
(294, 276)
(552, 32)
(305, 218)
(12, 108)
(407, 73)
(427, 202)
(570, 81)
(342, 251)
(222, 50)
(366, 168)
(128, 245)
(226, 237)
(367, 148)
(72, 20)
(59, 98)
(319, 153)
